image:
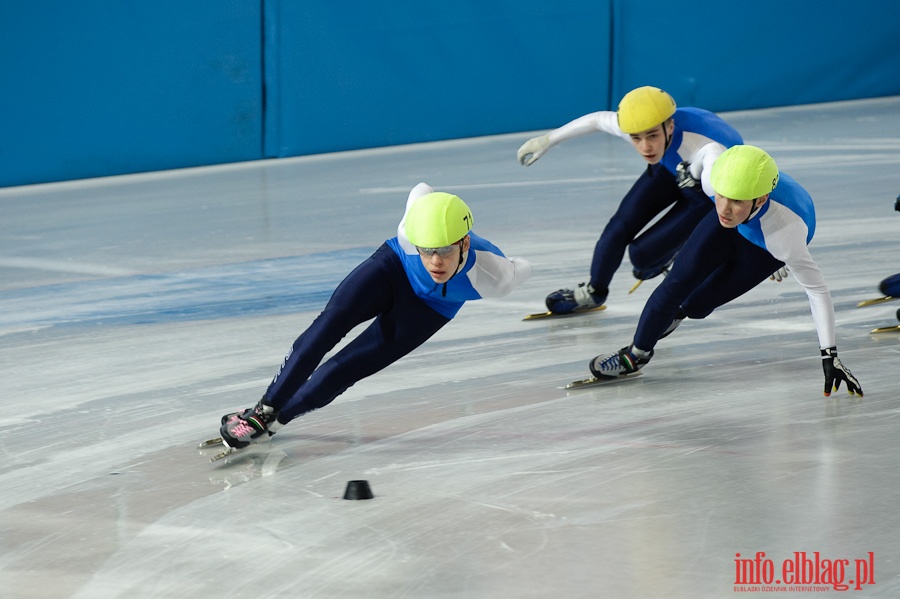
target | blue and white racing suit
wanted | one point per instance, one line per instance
(392, 287)
(718, 264)
(654, 191)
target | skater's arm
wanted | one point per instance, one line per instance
(495, 275)
(603, 121)
(700, 161)
(785, 235)
(808, 274)
(417, 192)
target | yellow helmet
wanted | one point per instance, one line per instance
(437, 219)
(644, 108)
(744, 173)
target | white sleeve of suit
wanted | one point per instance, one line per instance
(785, 235)
(417, 192)
(604, 121)
(495, 276)
(701, 164)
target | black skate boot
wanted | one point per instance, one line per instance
(241, 429)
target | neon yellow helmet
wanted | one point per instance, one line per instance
(744, 173)
(644, 108)
(437, 219)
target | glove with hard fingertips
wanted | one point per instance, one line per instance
(533, 149)
(836, 372)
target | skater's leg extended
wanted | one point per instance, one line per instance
(715, 266)
(393, 335)
(652, 193)
(367, 291)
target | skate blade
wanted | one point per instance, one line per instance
(877, 300)
(664, 272)
(219, 443)
(539, 315)
(893, 329)
(224, 453)
(210, 443)
(595, 381)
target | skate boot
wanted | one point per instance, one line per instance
(890, 287)
(583, 297)
(626, 361)
(241, 429)
(233, 415)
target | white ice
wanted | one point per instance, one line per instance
(135, 310)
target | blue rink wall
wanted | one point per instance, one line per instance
(106, 87)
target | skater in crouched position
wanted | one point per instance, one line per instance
(413, 285)
(762, 222)
(665, 136)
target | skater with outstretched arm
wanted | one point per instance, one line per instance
(413, 285)
(763, 221)
(664, 136)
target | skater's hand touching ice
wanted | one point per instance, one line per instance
(835, 372)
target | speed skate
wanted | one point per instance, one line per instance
(892, 329)
(217, 442)
(596, 381)
(881, 300)
(876, 301)
(549, 314)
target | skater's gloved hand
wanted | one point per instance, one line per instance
(533, 149)
(779, 275)
(835, 372)
(897, 204)
(684, 178)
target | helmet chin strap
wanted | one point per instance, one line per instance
(462, 260)
(756, 208)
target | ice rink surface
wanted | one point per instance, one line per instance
(137, 310)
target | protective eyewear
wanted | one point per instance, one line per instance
(443, 252)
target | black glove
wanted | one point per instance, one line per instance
(897, 204)
(684, 178)
(835, 372)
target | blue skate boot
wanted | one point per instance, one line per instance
(890, 287)
(583, 297)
